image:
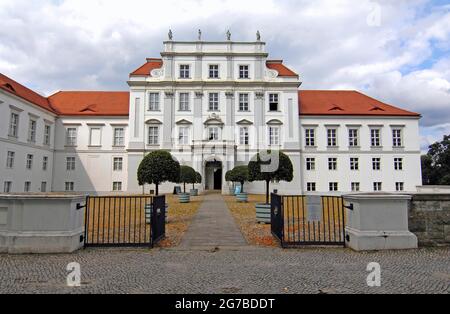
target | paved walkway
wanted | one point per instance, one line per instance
(213, 226)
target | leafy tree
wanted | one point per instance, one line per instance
(238, 174)
(187, 175)
(260, 169)
(436, 163)
(198, 179)
(158, 167)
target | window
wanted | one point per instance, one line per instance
(214, 71)
(14, 125)
(274, 136)
(27, 187)
(71, 137)
(376, 163)
(332, 137)
(70, 163)
(7, 187)
(119, 137)
(44, 163)
(117, 186)
(153, 135)
(354, 163)
(273, 102)
(332, 163)
(333, 186)
(183, 136)
(185, 71)
(96, 137)
(10, 160)
(397, 137)
(310, 164)
(375, 137)
(184, 101)
(32, 131)
(213, 101)
(399, 186)
(353, 140)
(43, 187)
(377, 186)
(117, 163)
(398, 163)
(47, 134)
(69, 187)
(153, 104)
(243, 72)
(355, 187)
(243, 102)
(29, 164)
(213, 134)
(243, 135)
(311, 186)
(310, 137)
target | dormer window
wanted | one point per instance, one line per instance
(185, 71)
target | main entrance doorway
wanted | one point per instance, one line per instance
(213, 175)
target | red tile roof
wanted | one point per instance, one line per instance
(147, 68)
(91, 103)
(9, 85)
(343, 103)
(282, 70)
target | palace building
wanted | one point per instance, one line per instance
(213, 105)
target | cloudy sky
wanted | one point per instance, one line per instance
(395, 50)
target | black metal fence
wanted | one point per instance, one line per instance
(124, 221)
(299, 220)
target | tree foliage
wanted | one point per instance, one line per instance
(158, 167)
(258, 169)
(187, 176)
(436, 163)
(238, 174)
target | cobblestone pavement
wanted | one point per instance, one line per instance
(233, 270)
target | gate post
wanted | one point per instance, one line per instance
(378, 222)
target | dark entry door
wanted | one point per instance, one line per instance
(218, 179)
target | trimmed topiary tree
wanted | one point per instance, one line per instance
(238, 174)
(198, 179)
(158, 167)
(260, 169)
(187, 175)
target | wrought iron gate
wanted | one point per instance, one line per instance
(299, 220)
(126, 221)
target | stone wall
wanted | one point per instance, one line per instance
(429, 219)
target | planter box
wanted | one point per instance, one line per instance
(194, 192)
(263, 213)
(184, 198)
(242, 197)
(148, 211)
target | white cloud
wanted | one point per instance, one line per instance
(94, 44)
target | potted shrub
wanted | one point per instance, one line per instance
(156, 168)
(239, 174)
(260, 169)
(198, 180)
(187, 176)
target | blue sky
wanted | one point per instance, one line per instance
(396, 51)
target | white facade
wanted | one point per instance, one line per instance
(213, 105)
(21, 153)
